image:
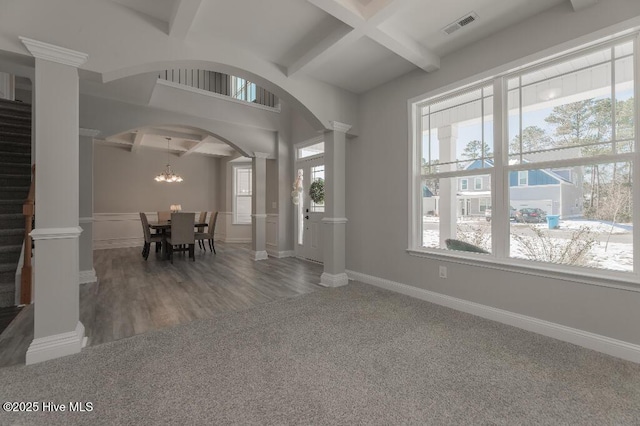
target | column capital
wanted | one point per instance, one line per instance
(91, 133)
(53, 53)
(339, 127)
(261, 155)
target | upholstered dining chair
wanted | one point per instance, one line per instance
(211, 229)
(148, 237)
(182, 234)
(201, 219)
(164, 216)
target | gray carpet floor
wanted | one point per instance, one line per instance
(352, 355)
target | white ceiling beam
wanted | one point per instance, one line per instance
(318, 53)
(218, 150)
(407, 48)
(182, 17)
(195, 147)
(581, 4)
(173, 135)
(137, 141)
(367, 24)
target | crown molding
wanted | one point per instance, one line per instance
(53, 53)
(339, 127)
(92, 133)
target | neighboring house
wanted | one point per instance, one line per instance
(556, 191)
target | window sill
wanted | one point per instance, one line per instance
(610, 279)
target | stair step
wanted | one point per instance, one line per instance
(13, 127)
(7, 295)
(6, 267)
(11, 237)
(15, 157)
(15, 168)
(10, 254)
(8, 116)
(15, 137)
(15, 105)
(22, 147)
(14, 180)
(14, 193)
(11, 221)
(11, 206)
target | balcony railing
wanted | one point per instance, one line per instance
(222, 84)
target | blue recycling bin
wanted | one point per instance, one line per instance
(553, 220)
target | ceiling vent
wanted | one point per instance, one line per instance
(459, 23)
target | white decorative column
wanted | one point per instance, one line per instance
(57, 328)
(259, 206)
(448, 137)
(87, 272)
(335, 222)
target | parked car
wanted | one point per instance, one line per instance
(512, 214)
(530, 214)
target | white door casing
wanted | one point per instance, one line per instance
(308, 223)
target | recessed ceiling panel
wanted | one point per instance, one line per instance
(158, 9)
(361, 66)
(423, 21)
(267, 28)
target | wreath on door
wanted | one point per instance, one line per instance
(316, 191)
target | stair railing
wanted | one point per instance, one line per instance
(28, 210)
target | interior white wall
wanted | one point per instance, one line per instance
(123, 181)
(377, 182)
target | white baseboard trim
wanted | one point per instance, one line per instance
(596, 342)
(56, 346)
(88, 276)
(259, 255)
(117, 243)
(334, 280)
(280, 254)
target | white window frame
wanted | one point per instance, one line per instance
(500, 258)
(464, 184)
(525, 174)
(235, 195)
(475, 183)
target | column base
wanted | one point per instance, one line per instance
(56, 346)
(337, 280)
(88, 276)
(260, 255)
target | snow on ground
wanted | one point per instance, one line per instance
(614, 256)
(596, 226)
(570, 224)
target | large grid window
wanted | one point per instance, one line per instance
(549, 182)
(242, 192)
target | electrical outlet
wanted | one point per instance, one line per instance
(443, 272)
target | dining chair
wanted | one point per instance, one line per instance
(148, 237)
(201, 219)
(164, 216)
(201, 236)
(182, 234)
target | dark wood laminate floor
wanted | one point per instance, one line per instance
(133, 296)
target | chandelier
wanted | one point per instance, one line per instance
(168, 175)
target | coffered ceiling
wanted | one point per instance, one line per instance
(353, 44)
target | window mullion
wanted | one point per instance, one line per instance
(499, 179)
(635, 188)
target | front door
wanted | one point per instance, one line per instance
(309, 214)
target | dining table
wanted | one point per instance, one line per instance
(162, 226)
